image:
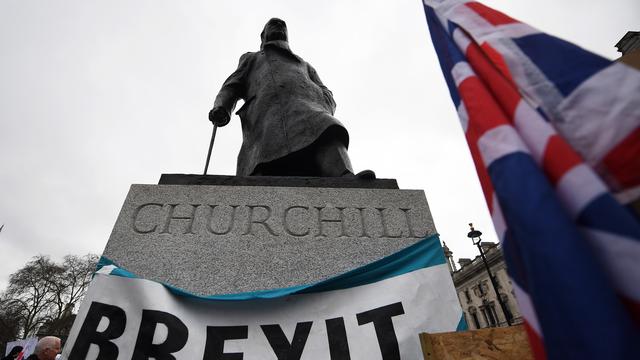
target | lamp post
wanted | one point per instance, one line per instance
(474, 235)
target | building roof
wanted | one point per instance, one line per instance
(629, 42)
(468, 270)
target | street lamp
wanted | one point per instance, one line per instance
(474, 235)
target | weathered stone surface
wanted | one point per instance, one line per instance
(226, 239)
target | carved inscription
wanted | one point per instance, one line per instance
(263, 220)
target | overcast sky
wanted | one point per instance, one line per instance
(97, 95)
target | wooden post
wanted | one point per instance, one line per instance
(505, 343)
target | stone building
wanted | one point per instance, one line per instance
(629, 46)
(477, 298)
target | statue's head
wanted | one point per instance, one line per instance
(275, 29)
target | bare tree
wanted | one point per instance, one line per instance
(31, 290)
(9, 322)
(43, 292)
(71, 285)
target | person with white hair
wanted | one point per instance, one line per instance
(46, 349)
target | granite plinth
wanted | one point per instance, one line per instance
(212, 239)
(286, 181)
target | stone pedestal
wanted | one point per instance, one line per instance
(239, 236)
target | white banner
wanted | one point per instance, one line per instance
(128, 318)
(28, 345)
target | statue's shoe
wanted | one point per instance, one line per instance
(366, 175)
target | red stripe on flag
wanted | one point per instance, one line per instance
(484, 113)
(559, 158)
(492, 16)
(623, 162)
(537, 346)
(483, 174)
(503, 90)
(498, 61)
(481, 169)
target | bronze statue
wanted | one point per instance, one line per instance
(287, 117)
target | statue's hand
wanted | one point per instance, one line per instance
(219, 116)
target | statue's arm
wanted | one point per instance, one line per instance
(328, 95)
(232, 90)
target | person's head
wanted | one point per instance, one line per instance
(275, 29)
(47, 348)
(14, 351)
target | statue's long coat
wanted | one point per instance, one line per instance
(286, 105)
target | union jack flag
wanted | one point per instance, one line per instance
(554, 132)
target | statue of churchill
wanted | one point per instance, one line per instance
(287, 117)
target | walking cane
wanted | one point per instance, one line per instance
(213, 137)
